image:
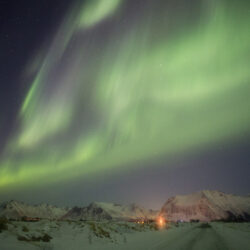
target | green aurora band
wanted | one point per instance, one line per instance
(165, 82)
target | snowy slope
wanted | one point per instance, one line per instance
(108, 211)
(78, 235)
(206, 206)
(16, 210)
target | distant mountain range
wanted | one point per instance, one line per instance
(110, 211)
(207, 206)
(16, 210)
(94, 211)
(203, 206)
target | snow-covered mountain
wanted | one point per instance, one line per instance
(94, 211)
(109, 211)
(206, 206)
(16, 210)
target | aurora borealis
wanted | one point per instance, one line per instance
(122, 83)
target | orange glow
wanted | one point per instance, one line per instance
(161, 222)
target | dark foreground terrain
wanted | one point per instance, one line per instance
(67, 235)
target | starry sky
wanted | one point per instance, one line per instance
(123, 100)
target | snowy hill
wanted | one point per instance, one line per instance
(16, 210)
(108, 211)
(206, 206)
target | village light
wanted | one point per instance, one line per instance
(161, 222)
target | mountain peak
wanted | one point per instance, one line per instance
(206, 205)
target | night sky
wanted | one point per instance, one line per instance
(123, 100)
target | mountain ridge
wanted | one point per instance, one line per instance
(17, 209)
(110, 211)
(206, 205)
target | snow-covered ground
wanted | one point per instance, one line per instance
(69, 235)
